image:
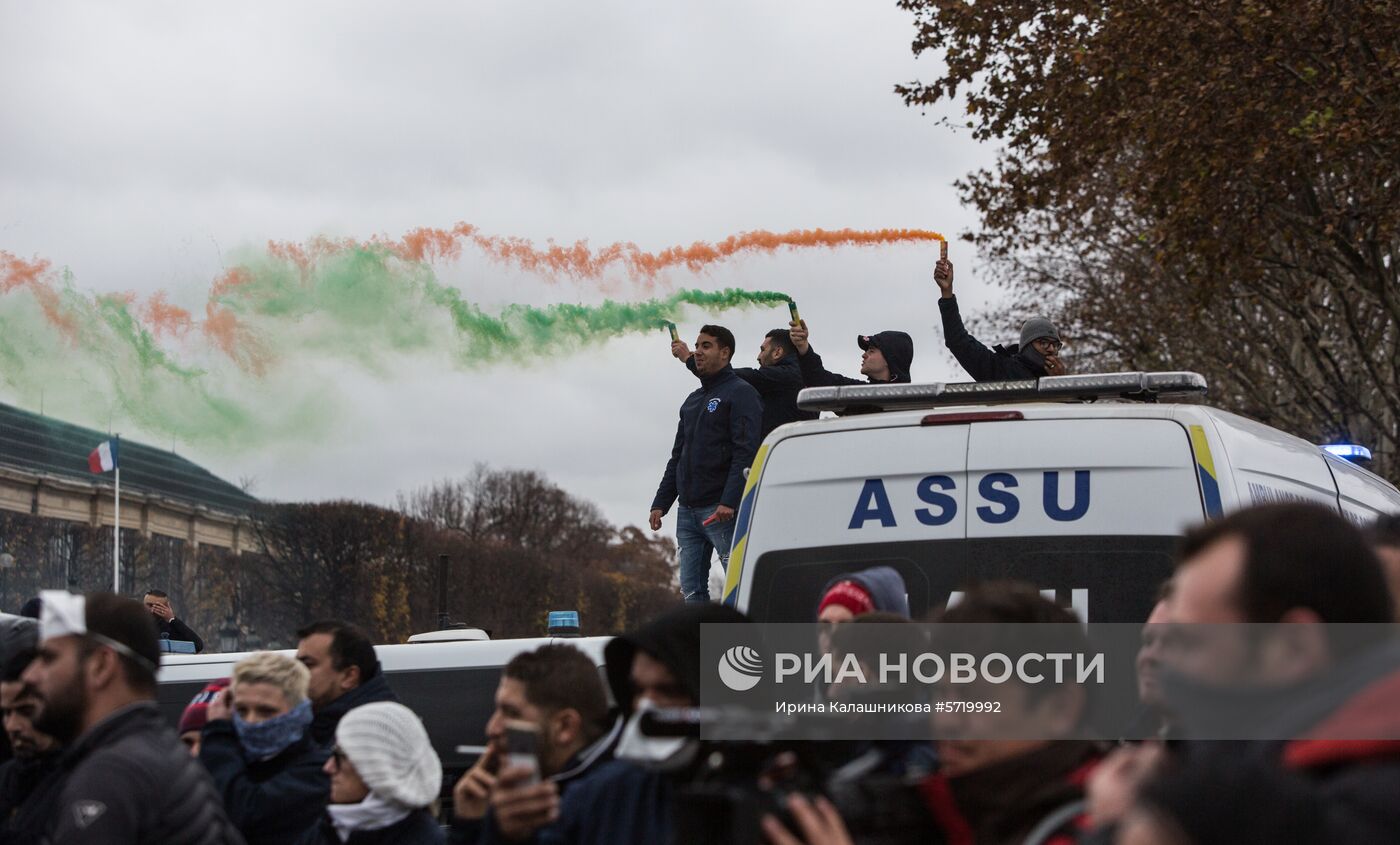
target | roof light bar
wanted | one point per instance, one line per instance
(1349, 451)
(1136, 385)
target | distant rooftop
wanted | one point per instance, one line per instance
(43, 445)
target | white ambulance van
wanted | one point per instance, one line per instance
(1079, 484)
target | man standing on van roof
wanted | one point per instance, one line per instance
(1037, 354)
(887, 359)
(778, 379)
(716, 439)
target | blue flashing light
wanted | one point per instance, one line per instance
(1349, 451)
(563, 623)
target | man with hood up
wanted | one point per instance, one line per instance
(1037, 355)
(877, 589)
(887, 358)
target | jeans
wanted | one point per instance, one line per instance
(696, 541)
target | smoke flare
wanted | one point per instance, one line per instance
(580, 262)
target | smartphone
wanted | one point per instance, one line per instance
(792, 309)
(522, 747)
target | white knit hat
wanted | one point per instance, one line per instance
(389, 748)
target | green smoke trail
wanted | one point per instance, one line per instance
(366, 308)
(365, 303)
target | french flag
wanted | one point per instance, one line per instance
(104, 457)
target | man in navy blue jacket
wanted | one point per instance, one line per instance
(778, 379)
(716, 439)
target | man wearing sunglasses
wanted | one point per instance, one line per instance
(1037, 355)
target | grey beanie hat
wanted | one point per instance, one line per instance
(1035, 328)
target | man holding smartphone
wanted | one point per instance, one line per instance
(552, 700)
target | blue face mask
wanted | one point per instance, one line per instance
(266, 739)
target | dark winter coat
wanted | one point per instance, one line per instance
(271, 802)
(129, 781)
(324, 723)
(177, 630)
(716, 439)
(983, 364)
(897, 347)
(673, 638)
(28, 797)
(883, 583)
(417, 828)
(1004, 802)
(777, 386)
(1344, 763)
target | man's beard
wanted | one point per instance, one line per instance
(61, 715)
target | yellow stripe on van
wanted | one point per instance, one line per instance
(1205, 471)
(742, 523)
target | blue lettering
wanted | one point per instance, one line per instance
(947, 505)
(988, 490)
(874, 503)
(1081, 497)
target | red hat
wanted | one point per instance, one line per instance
(197, 711)
(849, 595)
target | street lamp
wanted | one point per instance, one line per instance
(228, 636)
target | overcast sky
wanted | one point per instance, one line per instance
(144, 142)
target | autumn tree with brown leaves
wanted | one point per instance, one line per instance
(1212, 186)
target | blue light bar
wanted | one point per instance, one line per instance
(1350, 451)
(563, 623)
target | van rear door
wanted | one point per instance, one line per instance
(1088, 509)
(838, 500)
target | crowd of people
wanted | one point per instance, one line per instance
(316, 749)
(725, 419)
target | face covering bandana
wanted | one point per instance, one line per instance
(1030, 353)
(640, 748)
(262, 740)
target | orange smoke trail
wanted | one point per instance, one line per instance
(15, 272)
(165, 318)
(579, 261)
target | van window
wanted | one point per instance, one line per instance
(1114, 578)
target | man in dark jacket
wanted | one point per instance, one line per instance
(716, 439)
(778, 379)
(127, 777)
(257, 747)
(886, 359)
(600, 799)
(1322, 701)
(1036, 355)
(158, 603)
(344, 673)
(29, 783)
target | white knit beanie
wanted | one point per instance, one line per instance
(389, 748)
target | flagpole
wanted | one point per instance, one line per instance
(117, 524)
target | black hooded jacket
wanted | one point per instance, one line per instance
(897, 347)
(983, 364)
(777, 385)
(324, 723)
(129, 781)
(673, 638)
